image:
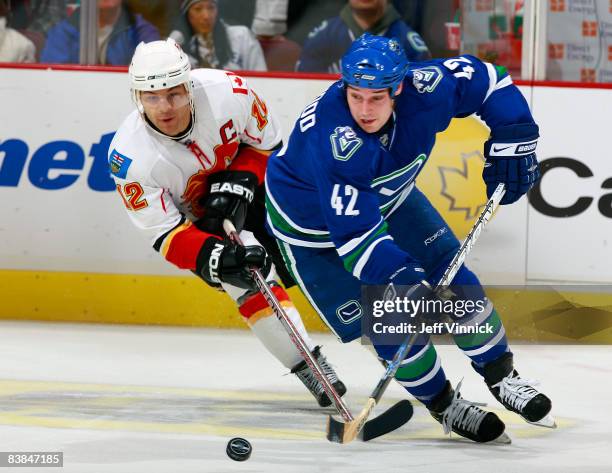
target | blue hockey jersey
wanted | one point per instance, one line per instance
(333, 185)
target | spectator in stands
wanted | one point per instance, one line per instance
(14, 47)
(210, 42)
(281, 26)
(37, 16)
(300, 17)
(270, 26)
(412, 12)
(328, 42)
(160, 13)
(119, 32)
(305, 15)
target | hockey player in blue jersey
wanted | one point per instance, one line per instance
(343, 205)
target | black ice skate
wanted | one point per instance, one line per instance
(306, 376)
(466, 418)
(517, 394)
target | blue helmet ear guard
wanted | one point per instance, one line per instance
(374, 62)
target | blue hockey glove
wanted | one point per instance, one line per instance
(511, 159)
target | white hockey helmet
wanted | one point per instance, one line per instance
(159, 65)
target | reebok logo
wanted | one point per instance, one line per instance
(433, 237)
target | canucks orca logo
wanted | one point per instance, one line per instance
(426, 79)
(345, 143)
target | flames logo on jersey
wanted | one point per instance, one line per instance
(226, 152)
(195, 189)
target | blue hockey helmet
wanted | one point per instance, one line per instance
(374, 62)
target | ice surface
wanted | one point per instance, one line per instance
(158, 399)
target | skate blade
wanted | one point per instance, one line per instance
(503, 439)
(547, 421)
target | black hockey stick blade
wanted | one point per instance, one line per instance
(393, 418)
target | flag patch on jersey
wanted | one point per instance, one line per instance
(345, 142)
(119, 164)
(426, 79)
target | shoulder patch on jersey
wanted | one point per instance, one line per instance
(238, 83)
(345, 143)
(415, 40)
(426, 79)
(119, 164)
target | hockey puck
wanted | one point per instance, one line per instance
(238, 449)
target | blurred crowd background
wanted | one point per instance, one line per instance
(310, 36)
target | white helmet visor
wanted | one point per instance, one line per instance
(175, 98)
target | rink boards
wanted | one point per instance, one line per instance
(68, 251)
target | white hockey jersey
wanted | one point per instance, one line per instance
(162, 181)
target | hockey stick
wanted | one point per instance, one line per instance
(296, 338)
(344, 432)
(391, 419)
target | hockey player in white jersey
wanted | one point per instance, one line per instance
(192, 154)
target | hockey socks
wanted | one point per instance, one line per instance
(269, 330)
(421, 371)
(485, 347)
